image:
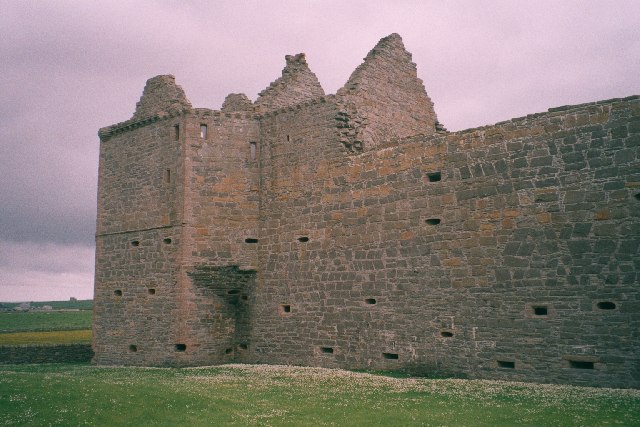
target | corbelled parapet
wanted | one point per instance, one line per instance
(297, 84)
(385, 93)
(161, 94)
(235, 102)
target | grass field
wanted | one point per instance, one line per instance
(42, 321)
(52, 337)
(277, 395)
(45, 327)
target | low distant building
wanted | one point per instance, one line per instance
(23, 306)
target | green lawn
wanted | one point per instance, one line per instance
(263, 395)
(41, 321)
(52, 337)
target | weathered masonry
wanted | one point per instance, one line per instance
(353, 231)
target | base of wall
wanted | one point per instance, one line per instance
(72, 353)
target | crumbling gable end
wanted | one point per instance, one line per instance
(297, 85)
(385, 94)
(161, 94)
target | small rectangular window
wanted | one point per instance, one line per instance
(506, 364)
(253, 150)
(434, 176)
(580, 364)
(285, 308)
(167, 176)
(540, 310)
(176, 132)
(203, 131)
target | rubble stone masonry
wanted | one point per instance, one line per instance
(353, 231)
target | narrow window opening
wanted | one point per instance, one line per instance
(434, 176)
(370, 301)
(244, 297)
(303, 239)
(242, 346)
(433, 221)
(250, 240)
(176, 133)
(181, 347)
(135, 243)
(253, 150)
(285, 308)
(540, 310)
(326, 350)
(288, 138)
(117, 292)
(167, 176)
(203, 131)
(133, 348)
(151, 291)
(390, 356)
(446, 334)
(167, 241)
(580, 364)
(228, 351)
(507, 364)
(233, 292)
(606, 305)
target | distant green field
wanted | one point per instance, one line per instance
(43, 338)
(47, 327)
(42, 321)
(56, 305)
(277, 395)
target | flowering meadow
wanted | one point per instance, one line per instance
(68, 395)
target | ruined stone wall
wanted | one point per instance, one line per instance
(139, 231)
(161, 95)
(178, 210)
(384, 99)
(300, 150)
(221, 232)
(222, 187)
(349, 231)
(508, 251)
(296, 85)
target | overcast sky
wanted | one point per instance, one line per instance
(68, 68)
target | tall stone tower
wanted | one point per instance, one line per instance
(177, 189)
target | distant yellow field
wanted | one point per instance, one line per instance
(54, 337)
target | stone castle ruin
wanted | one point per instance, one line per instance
(353, 231)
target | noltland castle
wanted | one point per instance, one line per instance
(353, 231)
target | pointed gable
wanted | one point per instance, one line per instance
(235, 102)
(297, 84)
(161, 94)
(386, 93)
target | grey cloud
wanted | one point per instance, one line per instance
(40, 272)
(46, 258)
